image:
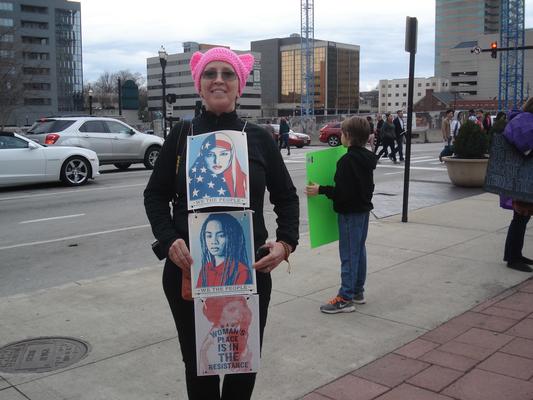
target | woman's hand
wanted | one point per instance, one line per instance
(312, 189)
(179, 254)
(272, 260)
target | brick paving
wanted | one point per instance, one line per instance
(484, 354)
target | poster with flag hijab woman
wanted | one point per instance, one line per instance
(217, 170)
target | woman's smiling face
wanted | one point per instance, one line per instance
(215, 239)
(218, 159)
(219, 87)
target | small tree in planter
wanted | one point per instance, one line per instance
(468, 166)
(471, 142)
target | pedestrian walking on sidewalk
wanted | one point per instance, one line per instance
(219, 76)
(372, 137)
(352, 200)
(399, 130)
(284, 130)
(388, 137)
(446, 130)
(379, 141)
(519, 132)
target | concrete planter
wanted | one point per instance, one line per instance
(469, 172)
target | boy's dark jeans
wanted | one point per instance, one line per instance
(353, 229)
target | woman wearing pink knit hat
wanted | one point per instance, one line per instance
(219, 76)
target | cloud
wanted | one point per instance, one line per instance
(121, 35)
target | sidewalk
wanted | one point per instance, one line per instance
(444, 262)
(483, 354)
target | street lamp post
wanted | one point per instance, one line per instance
(163, 61)
(90, 102)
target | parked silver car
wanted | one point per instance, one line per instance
(114, 141)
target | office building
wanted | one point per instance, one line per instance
(458, 21)
(393, 92)
(336, 73)
(179, 82)
(41, 42)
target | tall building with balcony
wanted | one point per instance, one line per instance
(336, 75)
(457, 21)
(179, 82)
(40, 43)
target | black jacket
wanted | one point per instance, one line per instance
(267, 170)
(354, 182)
(398, 127)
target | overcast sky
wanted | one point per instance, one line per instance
(120, 35)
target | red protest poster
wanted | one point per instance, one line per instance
(227, 334)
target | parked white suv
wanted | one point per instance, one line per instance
(114, 141)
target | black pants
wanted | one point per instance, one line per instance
(284, 142)
(515, 237)
(388, 142)
(399, 141)
(235, 386)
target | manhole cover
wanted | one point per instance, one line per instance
(42, 354)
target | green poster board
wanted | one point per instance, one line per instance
(321, 166)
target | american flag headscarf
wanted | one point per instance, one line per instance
(204, 183)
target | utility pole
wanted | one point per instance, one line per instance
(411, 32)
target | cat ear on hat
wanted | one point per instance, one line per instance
(248, 62)
(195, 59)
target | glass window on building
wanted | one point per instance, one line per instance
(389, 95)
(6, 22)
(390, 86)
(389, 104)
(396, 104)
(7, 54)
(404, 85)
(404, 94)
(6, 6)
(419, 94)
(419, 85)
(427, 84)
(397, 95)
(397, 85)
(68, 60)
(33, 9)
(7, 38)
(433, 84)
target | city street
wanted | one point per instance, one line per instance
(52, 235)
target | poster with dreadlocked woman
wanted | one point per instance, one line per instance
(221, 245)
(227, 334)
(217, 170)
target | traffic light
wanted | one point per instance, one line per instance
(171, 98)
(494, 49)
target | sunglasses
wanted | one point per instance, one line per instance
(212, 74)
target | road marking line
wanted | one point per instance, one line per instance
(294, 162)
(418, 168)
(393, 173)
(420, 158)
(51, 218)
(14, 246)
(70, 191)
(429, 159)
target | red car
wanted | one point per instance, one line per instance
(331, 134)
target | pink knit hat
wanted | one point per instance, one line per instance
(242, 64)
